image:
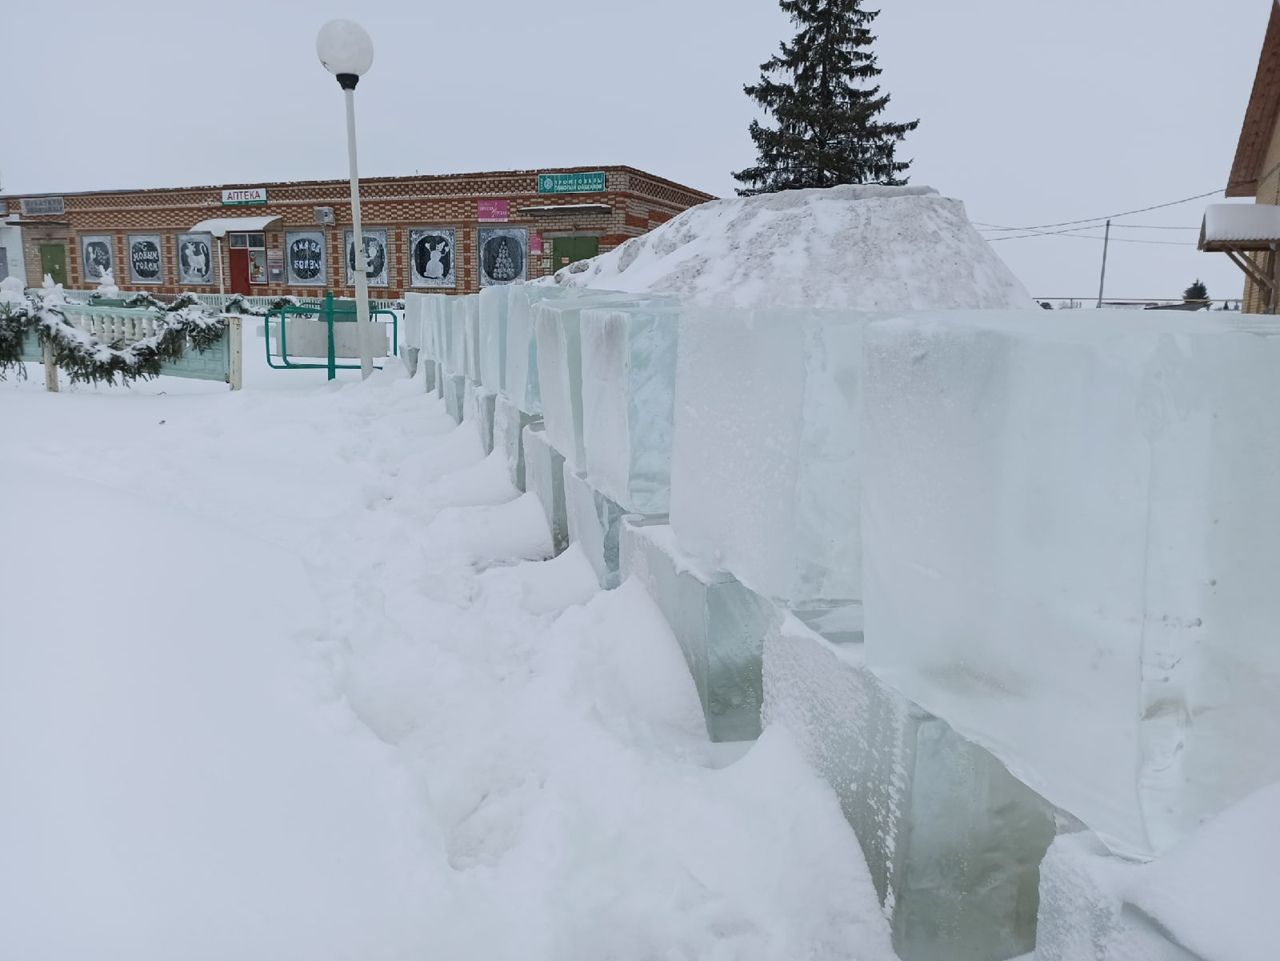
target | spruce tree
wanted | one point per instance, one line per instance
(816, 89)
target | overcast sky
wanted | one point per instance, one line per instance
(1032, 112)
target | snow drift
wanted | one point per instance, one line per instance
(856, 247)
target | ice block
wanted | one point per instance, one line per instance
(765, 470)
(1072, 536)
(628, 402)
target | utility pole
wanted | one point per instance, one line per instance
(1106, 242)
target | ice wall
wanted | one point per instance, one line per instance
(1071, 536)
(765, 462)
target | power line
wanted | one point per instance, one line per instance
(1126, 213)
(1074, 234)
(991, 227)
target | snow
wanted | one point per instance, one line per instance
(857, 247)
(1211, 898)
(1225, 223)
(1216, 893)
(283, 676)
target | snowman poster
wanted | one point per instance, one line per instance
(145, 263)
(375, 250)
(503, 255)
(304, 257)
(195, 259)
(431, 256)
(96, 254)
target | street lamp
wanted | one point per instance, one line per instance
(347, 52)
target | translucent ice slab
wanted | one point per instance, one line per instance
(509, 422)
(595, 523)
(558, 327)
(455, 336)
(493, 304)
(480, 410)
(520, 382)
(628, 394)
(719, 623)
(544, 476)
(765, 460)
(455, 392)
(952, 840)
(1072, 536)
(471, 331)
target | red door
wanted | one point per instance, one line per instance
(239, 270)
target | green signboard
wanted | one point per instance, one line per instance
(591, 183)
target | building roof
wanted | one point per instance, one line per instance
(1241, 226)
(1260, 115)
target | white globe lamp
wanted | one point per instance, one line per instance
(345, 50)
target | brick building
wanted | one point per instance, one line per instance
(447, 234)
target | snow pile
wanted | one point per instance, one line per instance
(308, 693)
(1216, 893)
(857, 247)
(12, 294)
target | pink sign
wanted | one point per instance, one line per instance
(535, 244)
(493, 211)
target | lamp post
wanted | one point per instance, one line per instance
(347, 52)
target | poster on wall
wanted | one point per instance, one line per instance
(503, 253)
(195, 259)
(375, 249)
(145, 266)
(96, 257)
(431, 257)
(304, 257)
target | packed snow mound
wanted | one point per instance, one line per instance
(1216, 892)
(855, 247)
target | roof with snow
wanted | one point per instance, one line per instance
(1240, 226)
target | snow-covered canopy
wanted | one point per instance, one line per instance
(1240, 224)
(854, 247)
(220, 226)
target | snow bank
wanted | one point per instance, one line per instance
(857, 247)
(297, 699)
(1216, 893)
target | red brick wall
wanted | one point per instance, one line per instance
(638, 202)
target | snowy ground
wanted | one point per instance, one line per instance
(275, 684)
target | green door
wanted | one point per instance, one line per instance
(569, 250)
(53, 261)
